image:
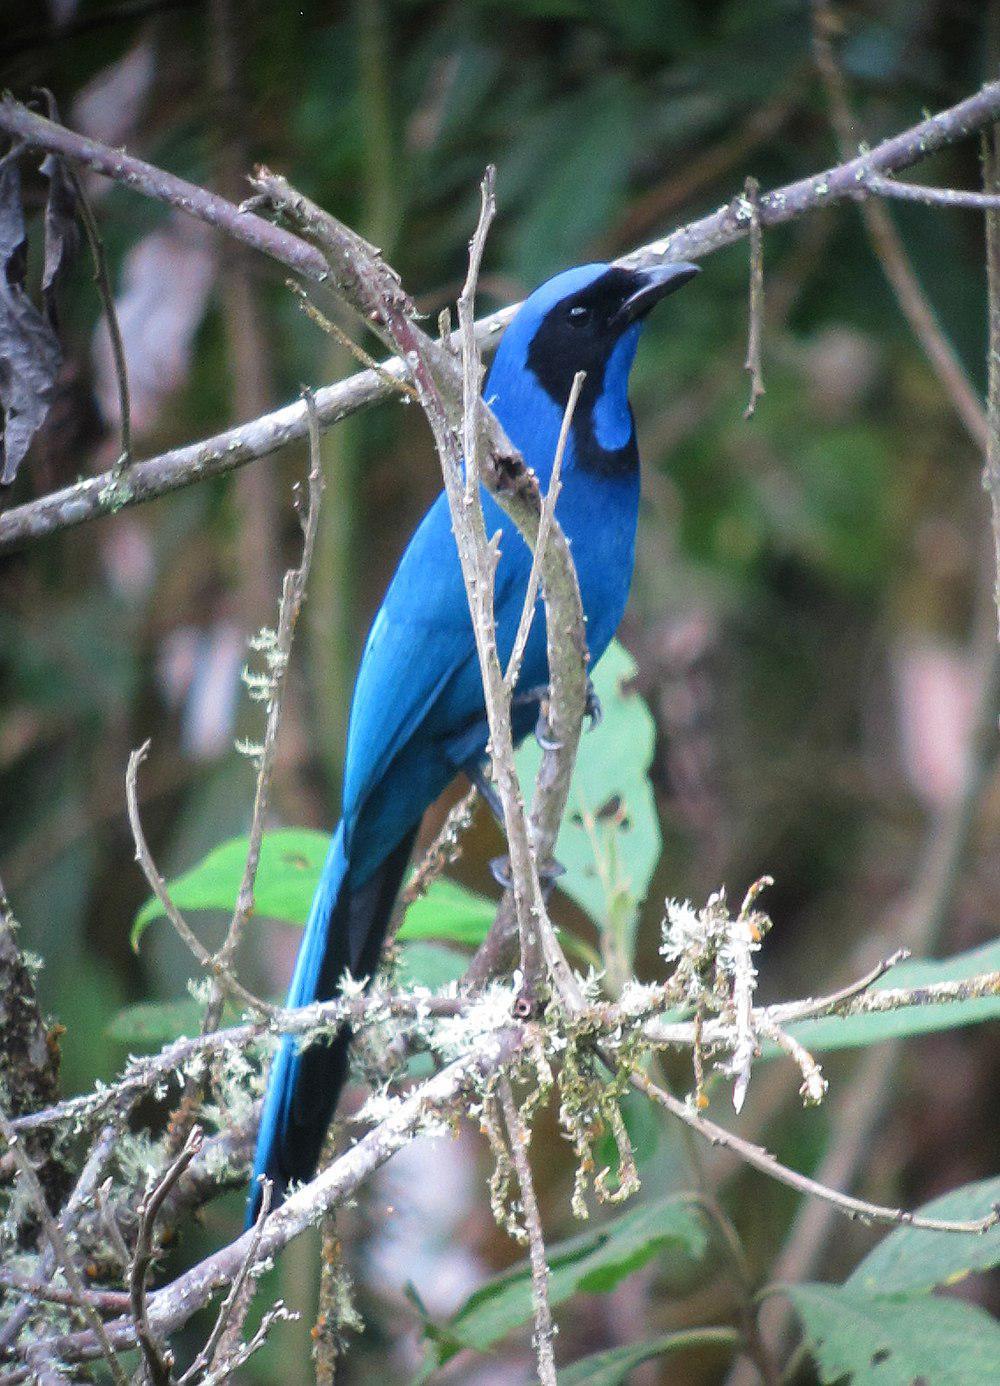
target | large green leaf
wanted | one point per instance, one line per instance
(593, 1263)
(451, 912)
(912, 1259)
(150, 1024)
(610, 839)
(291, 860)
(853, 1031)
(613, 1367)
(883, 1341)
(425, 964)
(154, 1023)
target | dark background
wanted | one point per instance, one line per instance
(808, 583)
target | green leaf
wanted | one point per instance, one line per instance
(644, 1127)
(423, 964)
(853, 1031)
(153, 1023)
(291, 860)
(593, 1262)
(451, 912)
(610, 839)
(613, 1367)
(913, 1259)
(882, 1341)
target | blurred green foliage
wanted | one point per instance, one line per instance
(787, 566)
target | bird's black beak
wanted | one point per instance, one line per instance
(650, 286)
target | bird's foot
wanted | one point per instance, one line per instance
(524, 696)
(543, 734)
(592, 709)
(547, 875)
(501, 872)
(476, 773)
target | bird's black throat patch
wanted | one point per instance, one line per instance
(577, 335)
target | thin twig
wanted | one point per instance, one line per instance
(180, 467)
(104, 1301)
(62, 1254)
(751, 193)
(763, 1160)
(814, 1085)
(109, 1221)
(103, 281)
(278, 654)
(171, 1307)
(539, 947)
(932, 197)
(991, 461)
(518, 1137)
(444, 851)
(479, 555)
(886, 241)
(544, 527)
(158, 1362)
(158, 886)
(837, 998)
(333, 329)
(235, 1307)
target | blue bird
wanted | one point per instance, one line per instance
(418, 716)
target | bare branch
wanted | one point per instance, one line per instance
(518, 1137)
(544, 528)
(763, 1160)
(885, 239)
(159, 888)
(932, 197)
(39, 133)
(180, 467)
(751, 192)
(62, 1255)
(157, 1362)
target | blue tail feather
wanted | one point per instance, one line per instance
(345, 930)
(271, 1159)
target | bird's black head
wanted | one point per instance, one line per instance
(585, 319)
(580, 330)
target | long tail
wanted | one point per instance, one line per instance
(346, 929)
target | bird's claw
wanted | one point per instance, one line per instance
(500, 870)
(592, 707)
(547, 875)
(542, 734)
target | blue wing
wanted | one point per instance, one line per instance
(419, 666)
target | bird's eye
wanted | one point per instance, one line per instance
(578, 314)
